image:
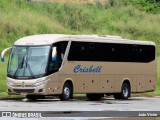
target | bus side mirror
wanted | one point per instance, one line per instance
(54, 54)
(4, 52)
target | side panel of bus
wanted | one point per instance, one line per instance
(107, 83)
(92, 72)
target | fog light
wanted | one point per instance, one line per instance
(9, 90)
(40, 90)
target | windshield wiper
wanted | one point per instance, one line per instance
(19, 65)
(30, 70)
(29, 67)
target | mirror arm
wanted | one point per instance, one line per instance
(4, 52)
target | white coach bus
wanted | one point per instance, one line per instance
(63, 65)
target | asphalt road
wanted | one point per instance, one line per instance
(71, 107)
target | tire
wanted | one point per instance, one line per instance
(67, 92)
(125, 92)
(94, 97)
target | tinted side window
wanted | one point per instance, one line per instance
(135, 53)
(121, 53)
(90, 51)
(104, 52)
(141, 53)
(77, 52)
(148, 53)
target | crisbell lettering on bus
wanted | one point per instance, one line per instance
(91, 69)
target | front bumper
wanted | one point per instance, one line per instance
(38, 90)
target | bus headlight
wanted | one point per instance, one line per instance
(10, 83)
(40, 82)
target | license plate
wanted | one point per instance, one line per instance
(24, 94)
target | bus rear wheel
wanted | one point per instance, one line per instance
(94, 97)
(67, 92)
(125, 92)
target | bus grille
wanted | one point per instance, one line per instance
(24, 90)
(24, 85)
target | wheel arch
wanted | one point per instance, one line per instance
(125, 93)
(67, 91)
(126, 80)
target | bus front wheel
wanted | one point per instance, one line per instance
(67, 92)
(94, 97)
(125, 92)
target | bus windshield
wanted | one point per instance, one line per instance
(28, 62)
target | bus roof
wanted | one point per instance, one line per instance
(48, 39)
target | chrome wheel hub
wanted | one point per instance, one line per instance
(66, 92)
(125, 92)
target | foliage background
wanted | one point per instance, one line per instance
(131, 19)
